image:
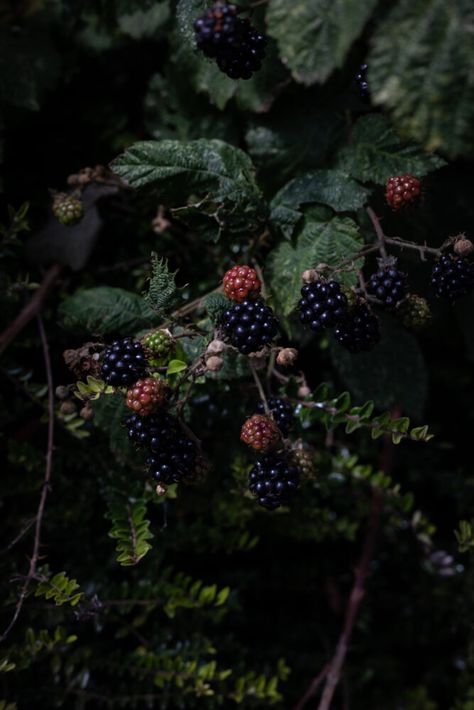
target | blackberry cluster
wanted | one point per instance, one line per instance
(359, 330)
(388, 285)
(123, 363)
(234, 43)
(249, 325)
(282, 411)
(172, 457)
(322, 304)
(452, 277)
(272, 480)
(362, 83)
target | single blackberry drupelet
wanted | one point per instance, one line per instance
(123, 362)
(362, 83)
(402, 190)
(388, 285)
(152, 432)
(452, 277)
(322, 304)
(283, 413)
(235, 45)
(249, 325)
(174, 461)
(272, 480)
(359, 330)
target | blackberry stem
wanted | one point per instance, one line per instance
(379, 232)
(261, 391)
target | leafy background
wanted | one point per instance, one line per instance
(220, 604)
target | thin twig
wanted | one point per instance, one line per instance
(46, 483)
(188, 307)
(422, 249)
(312, 689)
(19, 537)
(378, 231)
(32, 308)
(261, 391)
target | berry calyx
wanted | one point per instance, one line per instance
(322, 304)
(463, 246)
(402, 190)
(249, 325)
(146, 395)
(359, 330)
(123, 362)
(260, 432)
(414, 312)
(273, 479)
(67, 209)
(241, 283)
(287, 357)
(452, 277)
(159, 343)
(282, 412)
(388, 284)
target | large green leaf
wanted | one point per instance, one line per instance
(322, 238)
(328, 187)
(102, 310)
(314, 36)
(141, 24)
(393, 374)
(376, 152)
(204, 177)
(422, 68)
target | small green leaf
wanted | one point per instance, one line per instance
(176, 366)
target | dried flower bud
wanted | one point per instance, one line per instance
(304, 391)
(160, 490)
(215, 347)
(214, 363)
(287, 357)
(68, 407)
(309, 276)
(463, 247)
(87, 413)
(62, 392)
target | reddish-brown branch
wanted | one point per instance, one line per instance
(378, 231)
(312, 689)
(45, 487)
(32, 308)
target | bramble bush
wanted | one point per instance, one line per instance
(236, 354)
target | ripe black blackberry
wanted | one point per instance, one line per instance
(283, 413)
(388, 284)
(152, 432)
(273, 479)
(362, 83)
(358, 330)
(249, 325)
(322, 304)
(123, 362)
(452, 277)
(175, 461)
(235, 45)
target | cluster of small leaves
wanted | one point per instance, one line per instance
(130, 527)
(59, 588)
(162, 289)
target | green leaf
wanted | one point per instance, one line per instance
(314, 36)
(176, 366)
(376, 152)
(322, 237)
(208, 178)
(60, 589)
(329, 187)
(393, 374)
(421, 67)
(103, 310)
(216, 304)
(162, 289)
(130, 527)
(144, 23)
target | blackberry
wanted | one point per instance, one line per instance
(282, 411)
(402, 190)
(272, 480)
(153, 432)
(123, 362)
(388, 285)
(260, 432)
(235, 45)
(241, 283)
(452, 277)
(359, 329)
(362, 83)
(175, 461)
(322, 304)
(67, 209)
(414, 312)
(249, 325)
(160, 343)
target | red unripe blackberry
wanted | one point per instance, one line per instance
(273, 479)
(282, 411)
(146, 395)
(322, 304)
(359, 330)
(452, 277)
(241, 283)
(260, 432)
(402, 190)
(388, 284)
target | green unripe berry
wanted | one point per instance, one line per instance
(67, 209)
(414, 312)
(160, 343)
